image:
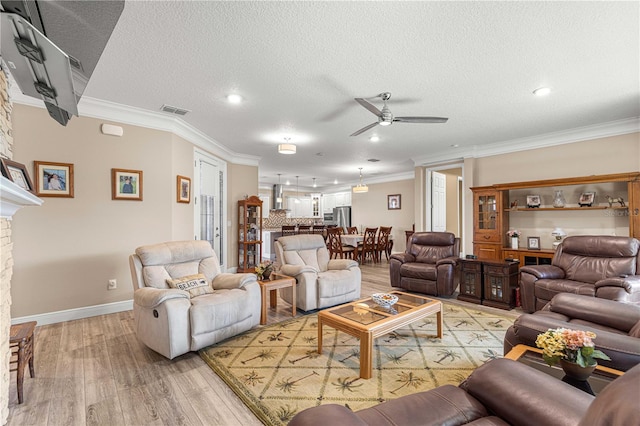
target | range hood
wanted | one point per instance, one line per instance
(51, 47)
(277, 195)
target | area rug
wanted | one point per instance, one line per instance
(277, 371)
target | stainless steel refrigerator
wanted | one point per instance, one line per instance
(342, 216)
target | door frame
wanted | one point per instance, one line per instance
(427, 196)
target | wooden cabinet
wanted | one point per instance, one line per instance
(488, 229)
(249, 234)
(497, 208)
(471, 281)
(500, 283)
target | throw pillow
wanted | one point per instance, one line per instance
(195, 285)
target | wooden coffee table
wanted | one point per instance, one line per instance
(365, 320)
(271, 287)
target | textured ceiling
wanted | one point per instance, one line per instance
(300, 64)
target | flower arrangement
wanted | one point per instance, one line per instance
(513, 233)
(571, 345)
(264, 269)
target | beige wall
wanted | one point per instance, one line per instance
(452, 224)
(69, 248)
(615, 154)
(242, 181)
(370, 209)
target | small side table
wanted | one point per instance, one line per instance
(471, 281)
(270, 286)
(21, 339)
(500, 283)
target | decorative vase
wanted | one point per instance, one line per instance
(514, 243)
(558, 199)
(576, 371)
(266, 274)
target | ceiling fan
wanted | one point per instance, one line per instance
(385, 117)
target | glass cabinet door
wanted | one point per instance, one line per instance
(487, 212)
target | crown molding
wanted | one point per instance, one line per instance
(124, 114)
(579, 134)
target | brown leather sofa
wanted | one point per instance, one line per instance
(500, 392)
(617, 326)
(428, 265)
(598, 266)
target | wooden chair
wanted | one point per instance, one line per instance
(288, 230)
(334, 243)
(352, 230)
(382, 245)
(304, 229)
(368, 246)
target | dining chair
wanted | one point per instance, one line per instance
(334, 243)
(352, 230)
(368, 246)
(383, 243)
(288, 230)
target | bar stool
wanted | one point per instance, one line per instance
(21, 345)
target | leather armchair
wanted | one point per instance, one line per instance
(617, 326)
(171, 321)
(321, 281)
(499, 392)
(597, 266)
(429, 264)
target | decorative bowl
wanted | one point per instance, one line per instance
(384, 299)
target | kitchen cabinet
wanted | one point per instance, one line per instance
(249, 234)
(316, 205)
(343, 199)
(328, 203)
(301, 209)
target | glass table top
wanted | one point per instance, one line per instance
(368, 312)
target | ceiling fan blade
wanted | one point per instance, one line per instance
(421, 119)
(364, 129)
(368, 105)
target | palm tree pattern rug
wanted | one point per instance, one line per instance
(277, 371)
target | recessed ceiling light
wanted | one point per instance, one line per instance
(335, 181)
(542, 91)
(374, 138)
(234, 99)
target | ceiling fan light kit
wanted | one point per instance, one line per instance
(386, 118)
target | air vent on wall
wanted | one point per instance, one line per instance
(174, 110)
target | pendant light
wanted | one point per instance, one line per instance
(287, 148)
(297, 200)
(279, 199)
(314, 183)
(361, 187)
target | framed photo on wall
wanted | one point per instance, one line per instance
(393, 202)
(533, 243)
(184, 189)
(53, 179)
(16, 173)
(126, 184)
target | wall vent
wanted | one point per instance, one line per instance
(174, 110)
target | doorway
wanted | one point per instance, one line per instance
(209, 188)
(443, 199)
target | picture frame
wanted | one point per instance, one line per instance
(53, 179)
(533, 243)
(394, 202)
(533, 201)
(126, 184)
(183, 189)
(17, 173)
(586, 199)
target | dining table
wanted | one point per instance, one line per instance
(353, 240)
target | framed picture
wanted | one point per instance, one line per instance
(533, 243)
(533, 201)
(16, 173)
(586, 199)
(184, 189)
(126, 184)
(53, 179)
(393, 202)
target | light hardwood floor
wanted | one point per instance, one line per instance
(93, 371)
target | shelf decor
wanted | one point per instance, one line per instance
(514, 234)
(586, 199)
(558, 199)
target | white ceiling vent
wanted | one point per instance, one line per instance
(174, 110)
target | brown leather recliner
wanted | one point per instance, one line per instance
(597, 266)
(500, 392)
(617, 326)
(429, 264)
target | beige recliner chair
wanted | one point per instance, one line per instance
(321, 282)
(205, 306)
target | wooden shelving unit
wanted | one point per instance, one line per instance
(249, 234)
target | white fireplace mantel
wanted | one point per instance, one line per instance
(13, 198)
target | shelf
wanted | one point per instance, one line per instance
(547, 209)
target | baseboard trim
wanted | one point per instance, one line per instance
(77, 313)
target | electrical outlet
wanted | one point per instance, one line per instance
(112, 285)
